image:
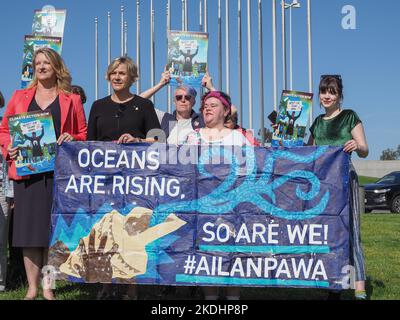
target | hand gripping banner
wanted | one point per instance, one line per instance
(198, 215)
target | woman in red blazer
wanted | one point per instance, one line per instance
(50, 91)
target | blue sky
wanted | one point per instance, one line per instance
(367, 57)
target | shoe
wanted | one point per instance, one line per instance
(29, 298)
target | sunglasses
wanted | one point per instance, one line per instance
(336, 76)
(179, 97)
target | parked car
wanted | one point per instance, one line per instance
(384, 194)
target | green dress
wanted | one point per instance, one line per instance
(335, 131)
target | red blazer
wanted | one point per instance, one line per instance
(73, 120)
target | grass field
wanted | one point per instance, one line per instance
(366, 180)
(381, 241)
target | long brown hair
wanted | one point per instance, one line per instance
(63, 76)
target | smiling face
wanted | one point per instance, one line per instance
(330, 91)
(214, 113)
(328, 99)
(120, 79)
(43, 69)
(184, 103)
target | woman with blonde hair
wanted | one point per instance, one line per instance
(50, 90)
(122, 117)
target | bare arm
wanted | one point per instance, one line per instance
(358, 143)
(165, 79)
(310, 141)
(207, 82)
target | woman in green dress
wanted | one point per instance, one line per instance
(343, 127)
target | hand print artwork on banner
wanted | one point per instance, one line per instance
(162, 214)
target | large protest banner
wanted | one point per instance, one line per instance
(159, 214)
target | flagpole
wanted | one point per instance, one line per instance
(201, 15)
(125, 38)
(152, 62)
(109, 47)
(186, 16)
(168, 29)
(183, 15)
(138, 89)
(219, 47)
(249, 63)
(274, 54)
(96, 72)
(261, 71)
(240, 63)
(227, 61)
(310, 80)
(205, 16)
(122, 31)
(284, 45)
(201, 30)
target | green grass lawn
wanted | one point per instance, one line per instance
(381, 241)
(362, 180)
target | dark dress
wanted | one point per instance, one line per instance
(34, 198)
(109, 120)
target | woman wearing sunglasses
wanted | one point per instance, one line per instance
(184, 120)
(343, 127)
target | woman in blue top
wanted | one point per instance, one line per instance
(339, 127)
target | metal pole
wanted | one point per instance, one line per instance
(168, 29)
(261, 73)
(125, 38)
(310, 81)
(240, 63)
(227, 68)
(152, 62)
(186, 16)
(274, 54)
(205, 16)
(219, 47)
(183, 15)
(96, 66)
(122, 31)
(201, 16)
(249, 63)
(284, 45)
(109, 47)
(138, 89)
(201, 30)
(290, 49)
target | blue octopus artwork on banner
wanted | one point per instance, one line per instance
(201, 215)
